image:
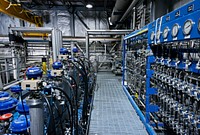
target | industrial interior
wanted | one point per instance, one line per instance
(99, 67)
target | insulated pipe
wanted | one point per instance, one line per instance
(120, 6)
(130, 8)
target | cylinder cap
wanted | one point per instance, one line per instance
(20, 125)
(63, 51)
(7, 103)
(6, 116)
(16, 88)
(20, 107)
(75, 50)
(4, 94)
(34, 72)
(57, 65)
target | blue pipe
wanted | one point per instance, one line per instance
(147, 126)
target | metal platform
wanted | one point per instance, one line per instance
(112, 112)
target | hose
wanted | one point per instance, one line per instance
(76, 105)
(20, 97)
(59, 118)
(65, 94)
(51, 114)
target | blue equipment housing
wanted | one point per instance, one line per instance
(21, 109)
(57, 65)
(15, 88)
(75, 50)
(4, 94)
(34, 72)
(8, 104)
(64, 51)
(20, 125)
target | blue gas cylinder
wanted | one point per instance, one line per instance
(7, 103)
(20, 124)
(63, 51)
(16, 88)
(34, 72)
(57, 65)
(4, 94)
(75, 50)
(20, 108)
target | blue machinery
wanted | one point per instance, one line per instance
(57, 103)
(161, 67)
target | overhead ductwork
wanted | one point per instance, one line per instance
(118, 10)
(130, 8)
(124, 7)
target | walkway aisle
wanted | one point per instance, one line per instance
(112, 112)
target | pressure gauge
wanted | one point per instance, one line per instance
(165, 32)
(187, 27)
(158, 34)
(175, 30)
(199, 25)
(152, 35)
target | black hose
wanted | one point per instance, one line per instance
(20, 97)
(85, 101)
(61, 90)
(70, 88)
(82, 65)
(82, 73)
(76, 105)
(51, 114)
(59, 118)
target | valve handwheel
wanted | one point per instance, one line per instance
(6, 116)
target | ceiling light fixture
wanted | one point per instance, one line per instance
(89, 5)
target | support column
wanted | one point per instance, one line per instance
(87, 46)
(72, 24)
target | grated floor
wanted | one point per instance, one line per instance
(112, 112)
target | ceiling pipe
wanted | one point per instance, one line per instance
(118, 10)
(130, 8)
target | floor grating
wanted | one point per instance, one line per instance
(112, 112)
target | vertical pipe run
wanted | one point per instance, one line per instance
(6, 68)
(133, 25)
(14, 63)
(54, 45)
(87, 45)
(72, 46)
(72, 24)
(123, 59)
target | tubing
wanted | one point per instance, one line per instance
(51, 113)
(76, 104)
(60, 121)
(60, 89)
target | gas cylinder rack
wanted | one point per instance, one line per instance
(168, 96)
(174, 40)
(137, 60)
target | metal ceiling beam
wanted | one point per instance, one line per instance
(77, 8)
(16, 11)
(84, 24)
(120, 7)
(108, 32)
(32, 29)
(65, 39)
(101, 32)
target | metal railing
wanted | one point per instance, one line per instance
(11, 70)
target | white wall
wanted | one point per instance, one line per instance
(61, 20)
